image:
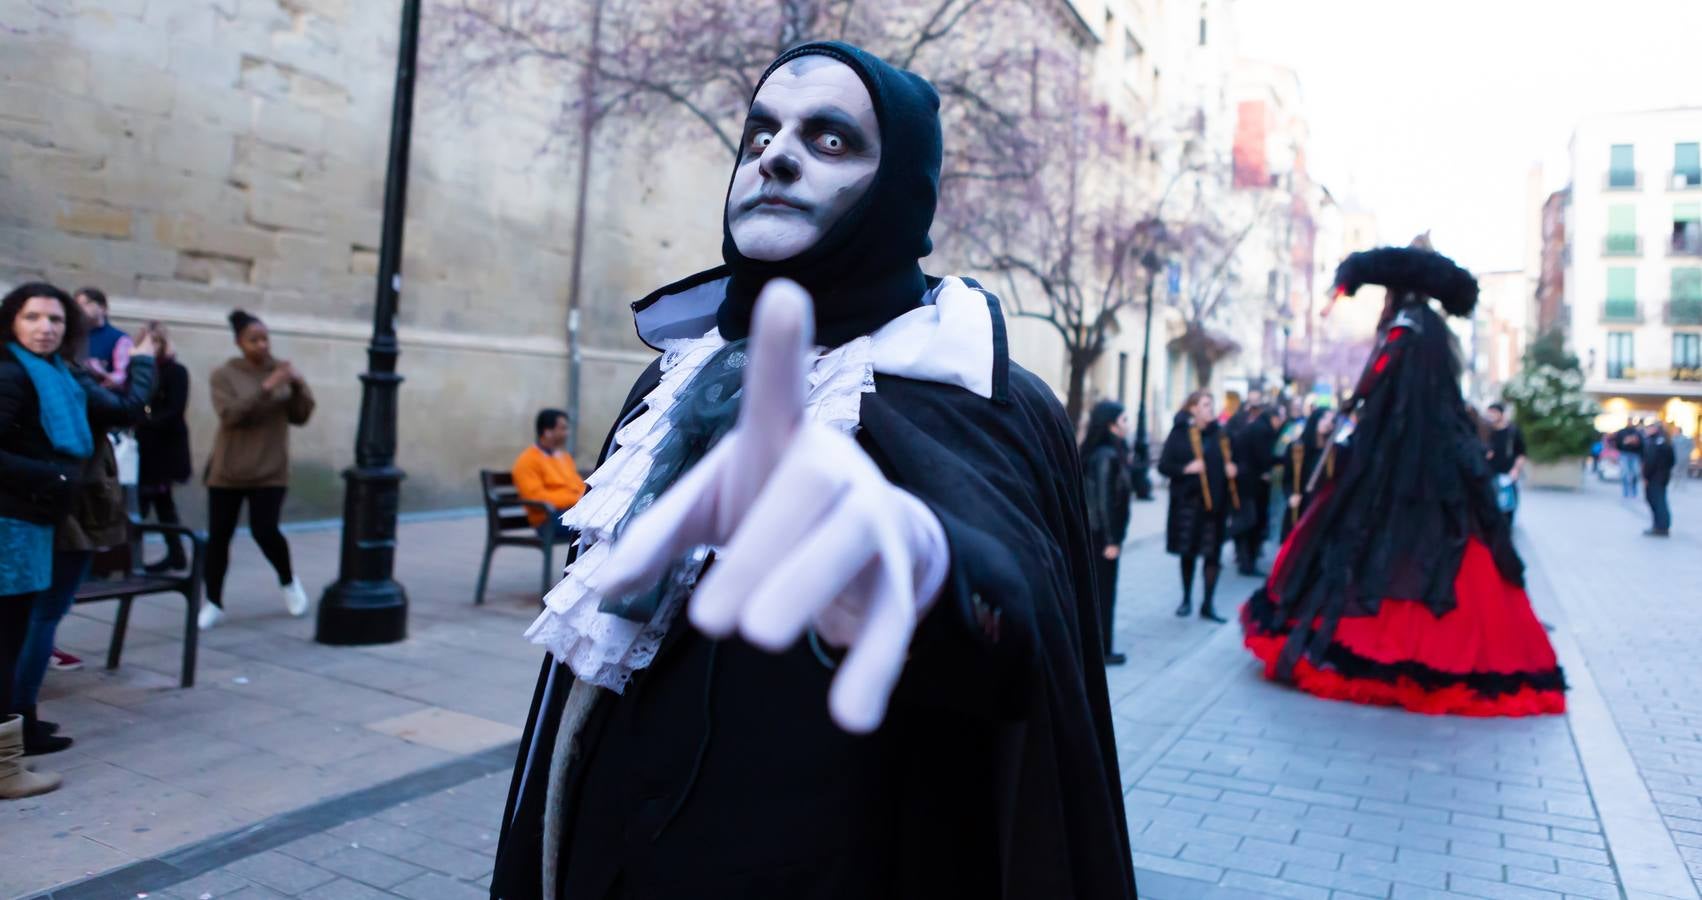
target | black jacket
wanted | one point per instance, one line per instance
(718, 773)
(163, 437)
(1178, 451)
(1658, 459)
(1106, 483)
(38, 483)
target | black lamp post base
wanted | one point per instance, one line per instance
(354, 613)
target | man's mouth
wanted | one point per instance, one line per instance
(772, 202)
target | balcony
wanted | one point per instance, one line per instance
(1685, 180)
(1683, 311)
(1622, 245)
(1687, 373)
(1622, 312)
(1622, 180)
(1686, 244)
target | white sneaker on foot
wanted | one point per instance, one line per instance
(210, 616)
(295, 599)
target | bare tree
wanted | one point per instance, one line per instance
(1209, 247)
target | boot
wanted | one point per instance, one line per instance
(1185, 607)
(17, 782)
(38, 739)
(1207, 611)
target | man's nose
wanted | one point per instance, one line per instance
(780, 159)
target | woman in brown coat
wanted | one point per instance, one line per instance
(257, 398)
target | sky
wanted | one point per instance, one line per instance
(1430, 113)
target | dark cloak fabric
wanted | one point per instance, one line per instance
(1414, 489)
(1190, 529)
(719, 774)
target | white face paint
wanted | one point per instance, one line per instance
(811, 148)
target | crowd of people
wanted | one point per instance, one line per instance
(1650, 455)
(76, 394)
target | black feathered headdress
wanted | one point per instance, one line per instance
(1410, 269)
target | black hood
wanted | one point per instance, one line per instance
(865, 271)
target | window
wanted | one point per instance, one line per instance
(1687, 350)
(1202, 24)
(1622, 229)
(1619, 358)
(1686, 229)
(1621, 303)
(1686, 165)
(1131, 48)
(1621, 167)
(1687, 283)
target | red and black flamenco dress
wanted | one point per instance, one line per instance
(1400, 586)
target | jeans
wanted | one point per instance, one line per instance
(562, 532)
(1630, 464)
(70, 567)
(1656, 492)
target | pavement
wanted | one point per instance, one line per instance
(295, 770)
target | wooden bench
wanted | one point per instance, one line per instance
(118, 575)
(506, 525)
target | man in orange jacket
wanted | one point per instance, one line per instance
(545, 471)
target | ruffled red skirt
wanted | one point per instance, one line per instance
(1488, 656)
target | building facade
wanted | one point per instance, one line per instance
(1633, 281)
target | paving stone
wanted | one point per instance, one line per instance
(369, 866)
(344, 889)
(276, 870)
(1566, 884)
(1178, 867)
(1275, 887)
(1497, 890)
(432, 886)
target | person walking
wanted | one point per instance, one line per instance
(1629, 442)
(1108, 489)
(1197, 459)
(1506, 444)
(1658, 462)
(1682, 448)
(1254, 444)
(257, 397)
(162, 440)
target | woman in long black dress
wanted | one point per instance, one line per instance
(1301, 476)
(1107, 484)
(1201, 467)
(1400, 585)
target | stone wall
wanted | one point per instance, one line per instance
(190, 156)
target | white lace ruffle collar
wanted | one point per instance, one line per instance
(948, 340)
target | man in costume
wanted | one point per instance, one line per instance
(1400, 584)
(831, 628)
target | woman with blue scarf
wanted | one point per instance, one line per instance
(46, 439)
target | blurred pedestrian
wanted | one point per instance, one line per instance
(257, 397)
(1506, 447)
(1310, 464)
(46, 441)
(545, 472)
(109, 348)
(1658, 462)
(1682, 448)
(1629, 442)
(1106, 484)
(163, 442)
(1255, 448)
(1197, 459)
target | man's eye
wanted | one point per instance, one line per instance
(760, 140)
(830, 142)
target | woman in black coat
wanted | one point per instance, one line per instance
(163, 442)
(1107, 486)
(1304, 457)
(1201, 467)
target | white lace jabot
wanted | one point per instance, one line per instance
(948, 340)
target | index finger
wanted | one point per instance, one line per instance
(782, 329)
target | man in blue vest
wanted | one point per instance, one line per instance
(109, 347)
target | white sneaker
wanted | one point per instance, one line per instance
(295, 599)
(211, 615)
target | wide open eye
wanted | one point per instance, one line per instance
(832, 143)
(758, 141)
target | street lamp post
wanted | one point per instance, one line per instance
(366, 605)
(1143, 482)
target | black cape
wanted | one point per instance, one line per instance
(718, 774)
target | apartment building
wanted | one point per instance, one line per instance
(1633, 280)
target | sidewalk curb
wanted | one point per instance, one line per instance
(216, 852)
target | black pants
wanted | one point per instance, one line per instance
(1656, 492)
(224, 506)
(157, 497)
(1105, 574)
(14, 627)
